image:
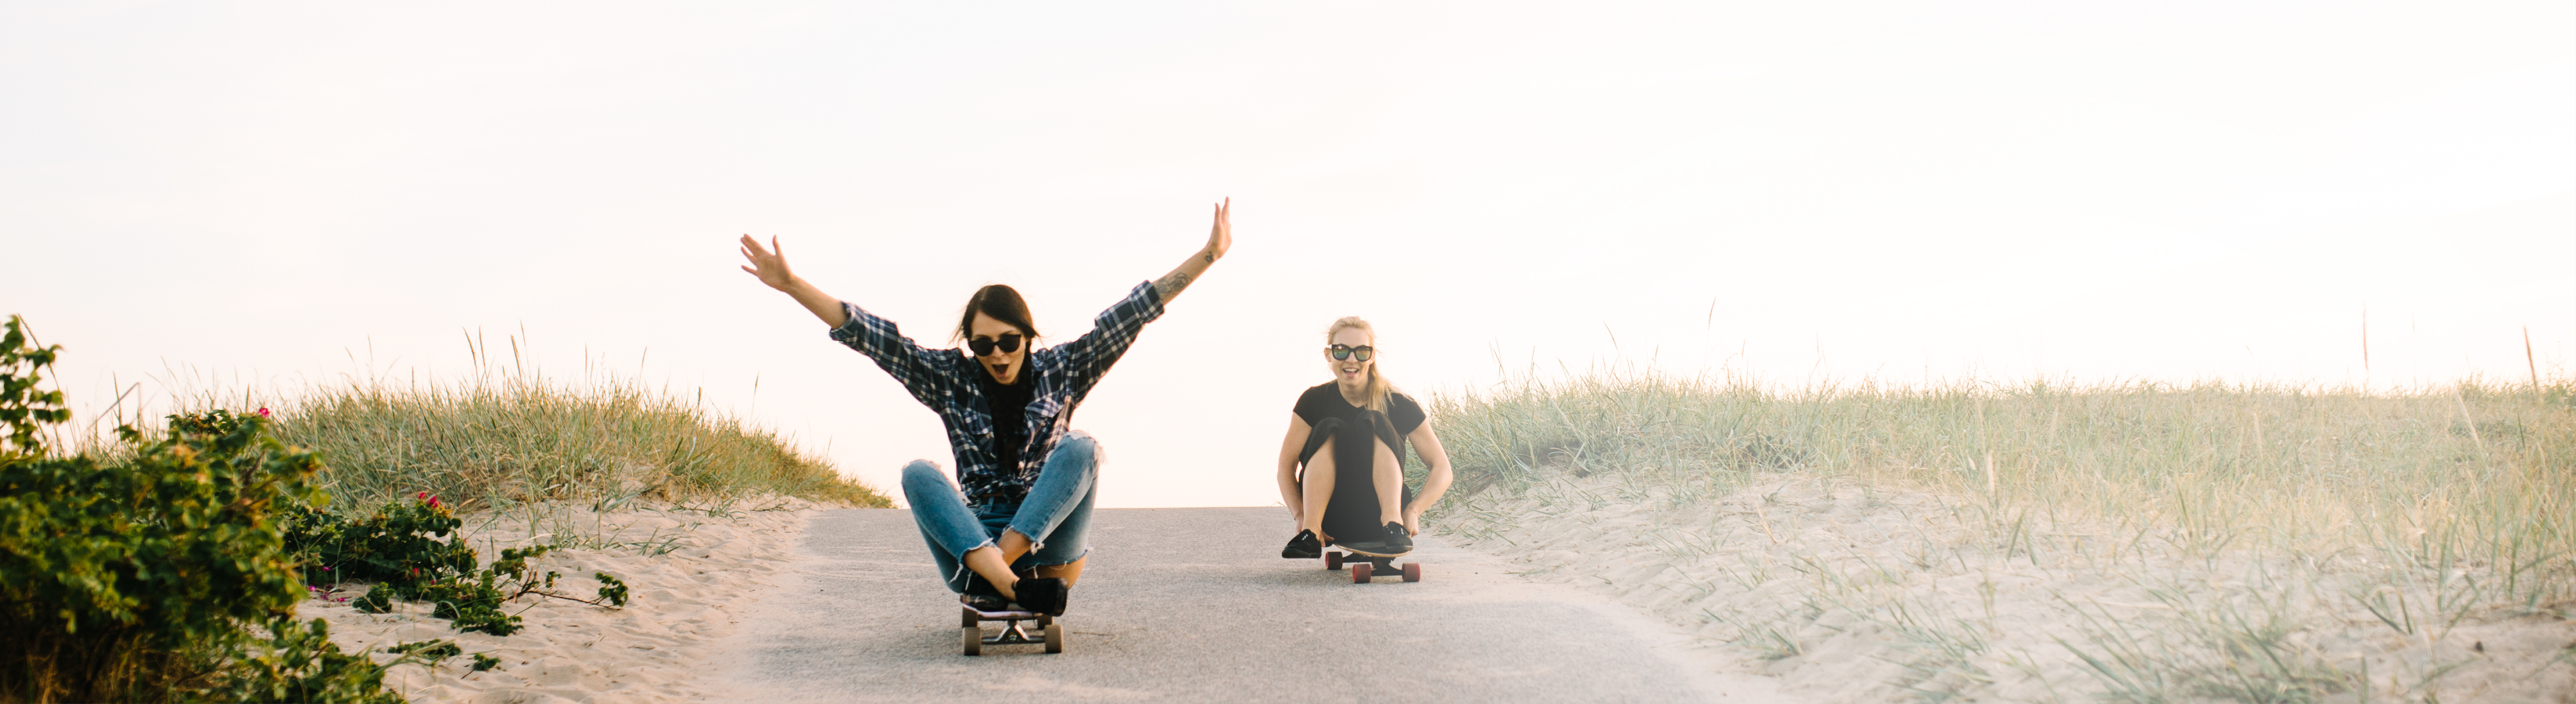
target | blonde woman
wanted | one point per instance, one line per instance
(1340, 472)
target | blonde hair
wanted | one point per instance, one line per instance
(1378, 386)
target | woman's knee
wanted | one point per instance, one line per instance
(923, 475)
(1082, 445)
(1319, 439)
(1382, 426)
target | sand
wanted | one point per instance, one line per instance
(691, 568)
(1853, 593)
(1843, 591)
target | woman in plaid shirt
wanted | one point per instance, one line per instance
(1016, 532)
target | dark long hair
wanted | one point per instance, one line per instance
(1001, 303)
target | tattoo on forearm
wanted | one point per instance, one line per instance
(1209, 256)
(1171, 285)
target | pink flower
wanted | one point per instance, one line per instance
(263, 411)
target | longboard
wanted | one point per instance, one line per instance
(1366, 566)
(1016, 630)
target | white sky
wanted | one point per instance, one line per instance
(196, 195)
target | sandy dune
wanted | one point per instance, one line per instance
(686, 571)
(1852, 593)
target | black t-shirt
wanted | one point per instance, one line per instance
(1325, 401)
(1010, 417)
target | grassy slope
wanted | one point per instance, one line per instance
(2460, 499)
(499, 444)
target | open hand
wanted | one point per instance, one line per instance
(769, 264)
(1221, 234)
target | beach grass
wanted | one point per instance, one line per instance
(2419, 515)
(508, 438)
(507, 442)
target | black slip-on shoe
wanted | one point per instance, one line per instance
(1366, 544)
(977, 586)
(1397, 538)
(1303, 547)
(1044, 595)
(985, 602)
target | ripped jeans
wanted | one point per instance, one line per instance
(1054, 515)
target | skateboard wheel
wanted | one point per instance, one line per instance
(1359, 573)
(974, 640)
(1054, 637)
(1333, 560)
(1412, 571)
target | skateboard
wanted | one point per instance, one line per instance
(1047, 631)
(1365, 567)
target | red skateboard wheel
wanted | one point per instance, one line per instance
(1412, 571)
(1333, 560)
(1359, 573)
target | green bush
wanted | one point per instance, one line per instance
(473, 600)
(396, 543)
(23, 408)
(394, 547)
(299, 663)
(142, 578)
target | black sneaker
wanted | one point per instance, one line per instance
(1397, 538)
(1044, 595)
(987, 603)
(977, 586)
(1369, 542)
(1303, 547)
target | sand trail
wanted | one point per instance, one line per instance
(690, 574)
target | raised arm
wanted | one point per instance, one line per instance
(770, 266)
(1220, 237)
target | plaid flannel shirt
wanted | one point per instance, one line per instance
(945, 380)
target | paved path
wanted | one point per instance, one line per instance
(1195, 605)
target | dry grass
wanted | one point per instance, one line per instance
(2206, 542)
(504, 444)
(509, 439)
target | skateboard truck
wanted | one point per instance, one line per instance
(1017, 630)
(1365, 567)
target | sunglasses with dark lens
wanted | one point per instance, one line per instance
(983, 347)
(1342, 352)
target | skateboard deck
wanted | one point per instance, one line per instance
(1016, 629)
(1365, 567)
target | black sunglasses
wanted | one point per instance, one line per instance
(1341, 352)
(983, 347)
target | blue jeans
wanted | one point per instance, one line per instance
(1054, 515)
